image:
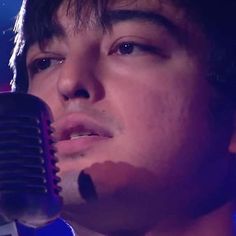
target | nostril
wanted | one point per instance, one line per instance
(82, 93)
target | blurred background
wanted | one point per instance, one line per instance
(8, 11)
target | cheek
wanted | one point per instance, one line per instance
(159, 92)
(148, 101)
(162, 114)
(153, 126)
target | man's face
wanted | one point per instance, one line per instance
(133, 109)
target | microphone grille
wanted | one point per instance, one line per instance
(29, 190)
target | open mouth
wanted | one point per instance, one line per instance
(81, 130)
(75, 137)
(77, 133)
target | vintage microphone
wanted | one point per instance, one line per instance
(29, 192)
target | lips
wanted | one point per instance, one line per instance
(75, 133)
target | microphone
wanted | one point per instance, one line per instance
(29, 191)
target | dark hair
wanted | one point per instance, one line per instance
(36, 22)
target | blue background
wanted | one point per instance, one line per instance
(8, 11)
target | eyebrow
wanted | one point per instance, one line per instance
(112, 17)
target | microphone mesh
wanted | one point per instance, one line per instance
(29, 190)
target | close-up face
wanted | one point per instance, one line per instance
(133, 109)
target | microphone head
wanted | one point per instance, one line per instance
(29, 191)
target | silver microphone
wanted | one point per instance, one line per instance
(29, 191)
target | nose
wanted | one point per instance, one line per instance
(78, 80)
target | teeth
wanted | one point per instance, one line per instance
(81, 134)
(72, 137)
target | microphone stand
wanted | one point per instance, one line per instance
(57, 227)
(16, 229)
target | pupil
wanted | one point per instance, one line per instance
(43, 64)
(126, 48)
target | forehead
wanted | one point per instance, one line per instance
(72, 16)
(93, 12)
(163, 13)
(163, 6)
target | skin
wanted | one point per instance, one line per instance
(165, 154)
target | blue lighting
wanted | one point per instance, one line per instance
(8, 11)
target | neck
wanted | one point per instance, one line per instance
(218, 222)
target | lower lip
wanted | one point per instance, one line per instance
(78, 145)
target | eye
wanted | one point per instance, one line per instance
(125, 48)
(128, 48)
(41, 64)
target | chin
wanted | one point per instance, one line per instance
(113, 197)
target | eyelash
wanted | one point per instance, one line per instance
(130, 47)
(41, 64)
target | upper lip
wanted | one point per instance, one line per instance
(79, 124)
